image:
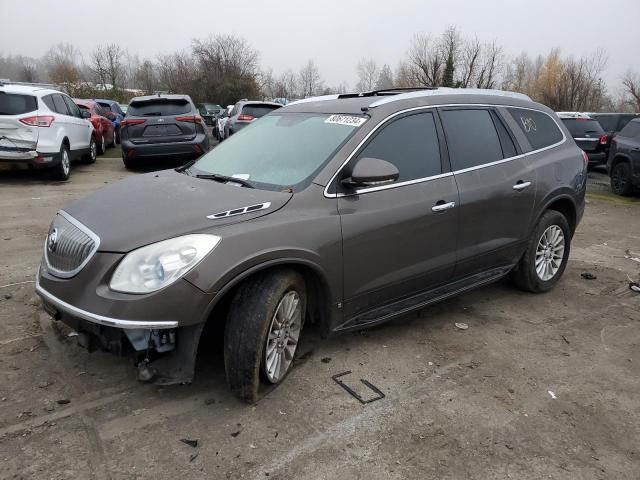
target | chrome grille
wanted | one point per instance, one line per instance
(69, 246)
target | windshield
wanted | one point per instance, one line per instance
(579, 127)
(280, 151)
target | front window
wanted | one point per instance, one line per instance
(280, 151)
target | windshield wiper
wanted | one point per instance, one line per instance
(225, 178)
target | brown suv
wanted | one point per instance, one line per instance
(346, 211)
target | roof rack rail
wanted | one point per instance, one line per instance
(450, 91)
(6, 81)
(385, 92)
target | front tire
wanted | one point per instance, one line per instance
(262, 331)
(545, 258)
(621, 179)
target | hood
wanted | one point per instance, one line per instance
(148, 208)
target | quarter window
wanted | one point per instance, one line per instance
(60, 106)
(539, 128)
(411, 144)
(471, 137)
(73, 108)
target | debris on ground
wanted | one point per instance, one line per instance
(194, 456)
(353, 393)
(551, 394)
(461, 326)
(210, 401)
(325, 359)
(588, 276)
(63, 401)
(8, 296)
(565, 339)
(191, 443)
(235, 434)
(635, 286)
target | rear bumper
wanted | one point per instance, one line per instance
(597, 158)
(31, 158)
(190, 149)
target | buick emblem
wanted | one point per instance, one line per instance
(52, 240)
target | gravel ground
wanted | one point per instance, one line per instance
(537, 386)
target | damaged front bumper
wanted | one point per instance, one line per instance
(164, 353)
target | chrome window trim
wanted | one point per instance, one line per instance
(100, 319)
(442, 175)
(586, 139)
(84, 229)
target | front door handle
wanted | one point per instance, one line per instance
(442, 207)
(521, 186)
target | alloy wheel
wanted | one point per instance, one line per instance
(550, 253)
(93, 150)
(282, 339)
(66, 163)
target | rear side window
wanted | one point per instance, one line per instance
(105, 107)
(411, 144)
(539, 128)
(60, 105)
(632, 130)
(14, 104)
(159, 108)
(258, 110)
(607, 122)
(471, 137)
(508, 147)
(581, 127)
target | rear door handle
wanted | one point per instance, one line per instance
(521, 186)
(442, 207)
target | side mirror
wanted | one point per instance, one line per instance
(371, 172)
(85, 114)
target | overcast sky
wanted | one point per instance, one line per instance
(334, 33)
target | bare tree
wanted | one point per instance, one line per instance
(631, 86)
(367, 74)
(107, 66)
(469, 62)
(385, 78)
(310, 80)
(425, 61)
(286, 85)
(490, 66)
(450, 42)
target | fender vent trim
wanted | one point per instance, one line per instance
(239, 211)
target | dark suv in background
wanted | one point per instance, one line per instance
(588, 135)
(209, 112)
(244, 112)
(346, 211)
(624, 159)
(162, 126)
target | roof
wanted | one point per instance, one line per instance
(104, 100)
(352, 104)
(26, 89)
(84, 102)
(165, 96)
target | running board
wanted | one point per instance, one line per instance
(422, 299)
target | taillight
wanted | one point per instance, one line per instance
(585, 157)
(604, 139)
(131, 121)
(38, 120)
(246, 118)
(194, 119)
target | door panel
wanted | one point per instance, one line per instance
(497, 189)
(494, 217)
(394, 245)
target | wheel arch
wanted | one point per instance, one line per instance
(563, 203)
(319, 295)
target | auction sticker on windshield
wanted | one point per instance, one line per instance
(349, 120)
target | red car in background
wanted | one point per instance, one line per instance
(104, 130)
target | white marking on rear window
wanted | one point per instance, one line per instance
(348, 120)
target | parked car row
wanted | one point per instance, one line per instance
(611, 139)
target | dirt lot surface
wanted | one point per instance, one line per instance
(537, 387)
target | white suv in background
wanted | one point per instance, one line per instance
(41, 127)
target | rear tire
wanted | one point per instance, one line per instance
(62, 171)
(621, 183)
(128, 163)
(116, 136)
(540, 268)
(93, 152)
(102, 146)
(257, 331)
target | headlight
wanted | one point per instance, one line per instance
(155, 266)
